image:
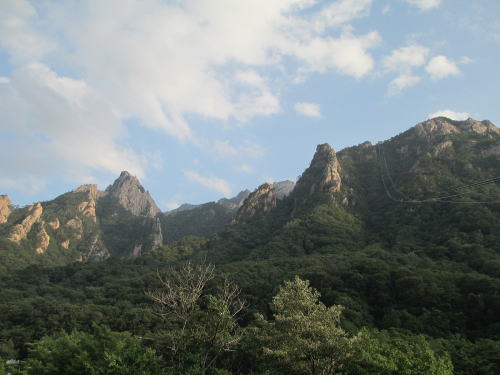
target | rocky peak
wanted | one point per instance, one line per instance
(283, 188)
(234, 202)
(19, 231)
(323, 174)
(445, 126)
(262, 200)
(91, 189)
(5, 210)
(132, 196)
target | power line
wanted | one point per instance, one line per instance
(476, 184)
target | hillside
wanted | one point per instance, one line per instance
(403, 234)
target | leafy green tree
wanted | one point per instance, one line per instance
(393, 353)
(200, 327)
(305, 336)
(103, 353)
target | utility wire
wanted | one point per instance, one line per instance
(434, 199)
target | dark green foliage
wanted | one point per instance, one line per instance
(395, 353)
(205, 220)
(121, 230)
(102, 353)
(422, 277)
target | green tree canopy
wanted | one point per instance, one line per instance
(103, 353)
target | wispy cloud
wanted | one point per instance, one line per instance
(308, 109)
(402, 82)
(453, 115)
(210, 182)
(160, 63)
(441, 67)
(425, 4)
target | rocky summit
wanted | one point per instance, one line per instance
(132, 196)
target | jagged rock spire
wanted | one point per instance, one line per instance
(132, 196)
(323, 174)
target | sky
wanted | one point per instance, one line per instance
(204, 98)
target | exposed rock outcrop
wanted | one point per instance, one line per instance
(323, 174)
(54, 224)
(65, 244)
(88, 209)
(235, 202)
(445, 126)
(5, 210)
(19, 231)
(91, 189)
(156, 235)
(321, 181)
(96, 251)
(77, 226)
(132, 196)
(262, 200)
(283, 188)
(42, 241)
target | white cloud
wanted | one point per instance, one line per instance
(465, 60)
(307, 109)
(341, 12)
(158, 62)
(245, 168)
(347, 54)
(4, 79)
(425, 4)
(224, 149)
(28, 184)
(405, 58)
(453, 115)
(171, 205)
(66, 126)
(441, 67)
(402, 82)
(19, 36)
(252, 150)
(213, 183)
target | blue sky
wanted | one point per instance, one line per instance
(203, 98)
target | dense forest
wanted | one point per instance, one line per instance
(383, 259)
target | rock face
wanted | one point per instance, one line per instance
(283, 188)
(444, 126)
(91, 189)
(20, 231)
(235, 202)
(88, 209)
(132, 196)
(156, 235)
(77, 226)
(42, 241)
(96, 251)
(262, 200)
(54, 224)
(4, 208)
(323, 174)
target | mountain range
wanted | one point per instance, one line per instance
(403, 234)
(368, 187)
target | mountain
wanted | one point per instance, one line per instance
(85, 224)
(403, 234)
(373, 187)
(200, 220)
(417, 185)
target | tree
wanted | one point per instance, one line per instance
(305, 336)
(395, 353)
(102, 353)
(199, 327)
